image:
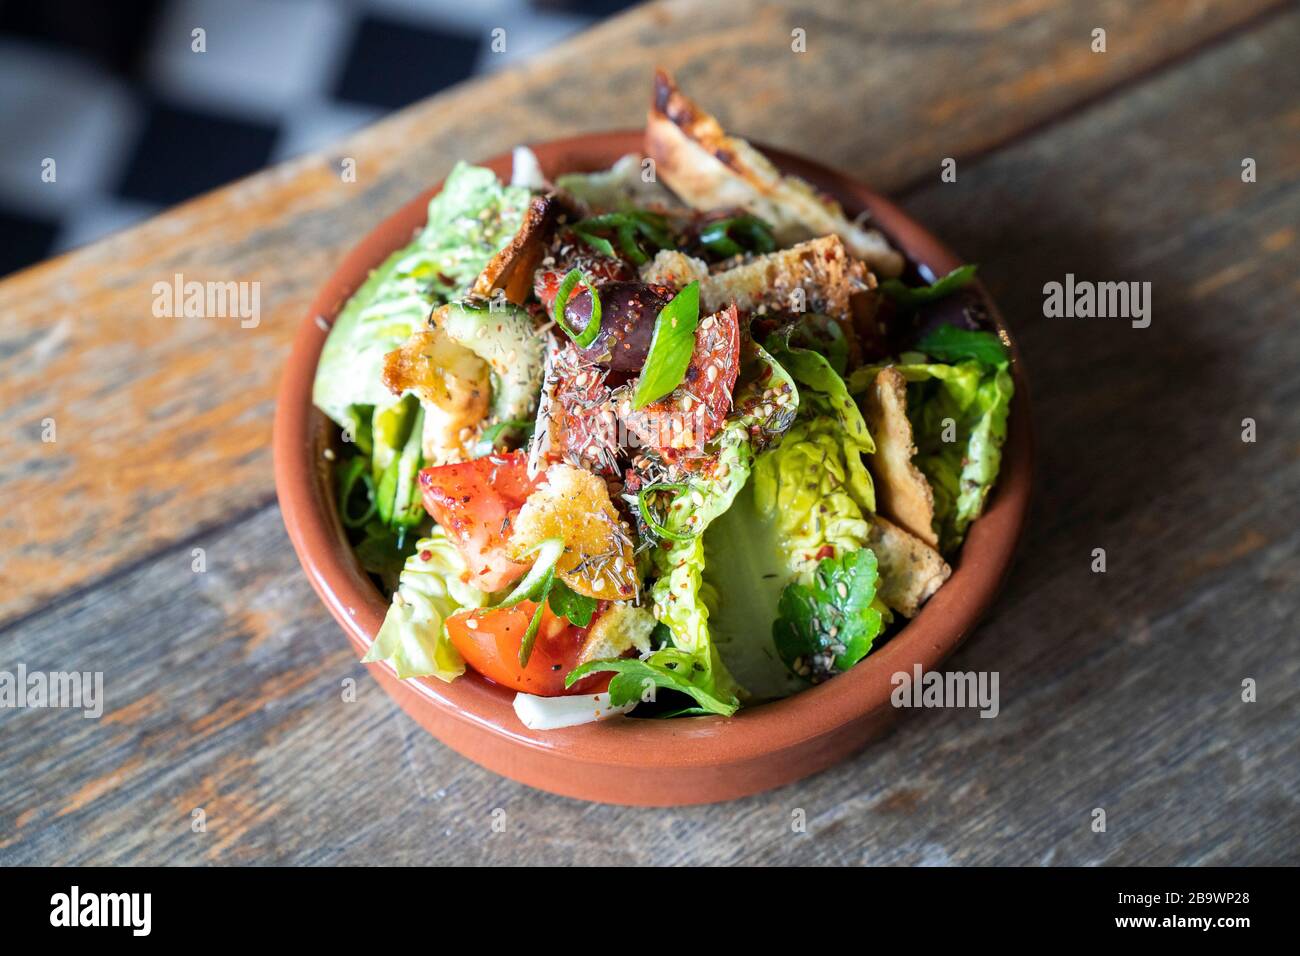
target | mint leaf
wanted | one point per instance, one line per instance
(566, 602)
(948, 343)
(912, 297)
(829, 625)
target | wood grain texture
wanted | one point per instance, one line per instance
(163, 424)
(1119, 691)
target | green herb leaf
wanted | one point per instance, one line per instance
(731, 237)
(832, 615)
(647, 512)
(671, 347)
(568, 603)
(588, 334)
(634, 677)
(947, 343)
(487, 442)
(912, 297)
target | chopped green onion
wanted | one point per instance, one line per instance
(671, 347)
(647, 514)
(724, 237)
(535, 582)
(356, 469)
(588, 335)
(626, 225)
(536, 586)
(599, 243)
(530, 635)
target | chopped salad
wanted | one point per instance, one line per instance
(669, 439)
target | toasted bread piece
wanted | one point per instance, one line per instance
(620, 629)
(710, 170)
(910, 570)
(822, 268)
(574, 505)
(902, 492)
(674, 269)
(511, 269)
(451, 381)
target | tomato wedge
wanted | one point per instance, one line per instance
(679, 424)
(489, 641)
(476, 502)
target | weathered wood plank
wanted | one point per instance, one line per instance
(162, 424)
(1119, 691)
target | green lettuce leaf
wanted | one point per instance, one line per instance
(621, 188)
(430, 589)
(948, 343)
(825, 394)
(959, 423)
(680, 566)
(795, 510)
(913, 297)
(470, 220)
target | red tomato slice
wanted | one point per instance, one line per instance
(476, 502)
(489, 641)
(679, 424)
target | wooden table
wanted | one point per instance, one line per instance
(1120, 690)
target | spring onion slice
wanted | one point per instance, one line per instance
(357, 469)
(588, 335)
(724, 237)
(531, 587)
(647, 514)
(627, 226)
(536, 586)
(530, 635)
(671, 347)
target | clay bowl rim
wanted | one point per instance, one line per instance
(306, 501)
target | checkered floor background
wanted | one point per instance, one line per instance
(135, 120)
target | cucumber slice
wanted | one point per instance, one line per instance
(502, 335)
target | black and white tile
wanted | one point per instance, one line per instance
(135, 119)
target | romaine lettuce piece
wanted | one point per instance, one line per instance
(430, 589)
(621, 188)
(826, 394)
(959, 422)
(470, 220)
(676, 592)
(795, 510)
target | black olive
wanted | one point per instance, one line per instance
(627, 322)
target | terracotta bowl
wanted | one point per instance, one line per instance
(628, 760)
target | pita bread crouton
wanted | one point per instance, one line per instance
(822, 268)
(910, 570)
(511, 269)
(674, 269)
(451, 381)
(902, 492)
(710, 170)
